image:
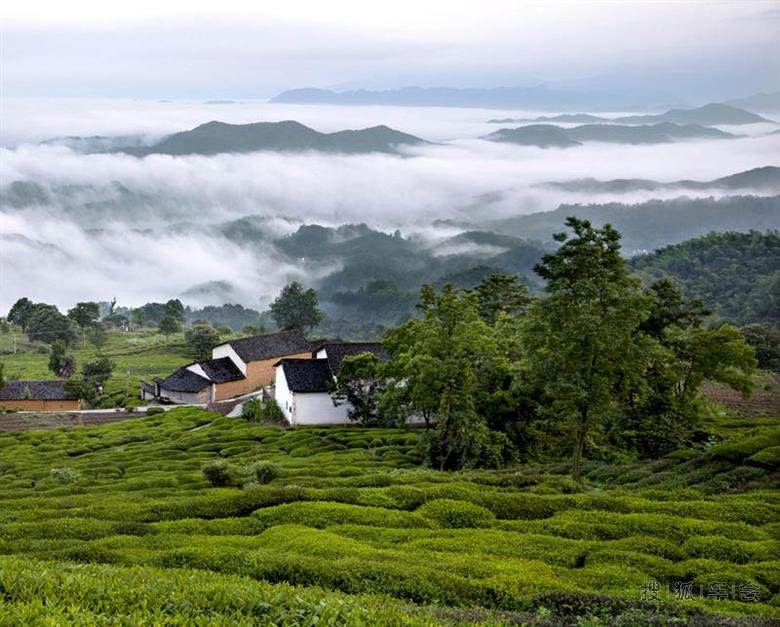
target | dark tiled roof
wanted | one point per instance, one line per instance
(269, 346)
(50, 390)
(184, 380)
(307, 375)
(222, 370)
(337, 351)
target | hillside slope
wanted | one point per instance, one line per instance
(218, 137)
(735, 274)
(350, 510)
(655, 223)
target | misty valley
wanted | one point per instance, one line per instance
(420, 356)
(228, 213)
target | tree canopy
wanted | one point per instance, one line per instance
(296, 308)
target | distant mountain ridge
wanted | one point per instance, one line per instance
(759, 102)
(712, 114)
(219, 137)
(538, 97)
(549, 135)
(766, 178)
(649, 225)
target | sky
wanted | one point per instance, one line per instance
(686, 50)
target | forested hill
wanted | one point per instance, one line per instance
(655, 223)
(737, 275)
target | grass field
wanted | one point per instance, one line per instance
(343, 526)
(137, 355)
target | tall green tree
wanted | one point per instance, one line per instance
(169, 324)
(359, 385)
(433, 374)
(662, 409)
(175, 310)
(20, 312)
(581, 338)
(85, 314)
(94, 376)
(46, 324)
(499, 293)
(296, 309)
(201, 338)
(60, 363)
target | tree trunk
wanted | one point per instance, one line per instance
(579, 445)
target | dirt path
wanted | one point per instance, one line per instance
(27, 422)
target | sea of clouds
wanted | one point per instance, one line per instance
(149, 229)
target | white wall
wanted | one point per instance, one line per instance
(226, 350)
(282, 394)
(317, 408)
(198, 370)
(314, 408)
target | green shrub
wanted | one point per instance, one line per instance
(219, 473)
(153, 411)
(322, 514)
(456, 514)
(768, 457)
(744, 448)
(264, 471)
(64, 475)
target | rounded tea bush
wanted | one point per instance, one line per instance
(264, 471)
(218, 473)
(65, 474)
(456, 514)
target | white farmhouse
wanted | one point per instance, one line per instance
(302, 387)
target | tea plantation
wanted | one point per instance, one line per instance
(190, 518)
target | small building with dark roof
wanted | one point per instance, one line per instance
(255, 356)
(303, 386)
(236, 368)
(41, 395)
(335, 352)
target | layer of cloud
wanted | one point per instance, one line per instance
(149, 229)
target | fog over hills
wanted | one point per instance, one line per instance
(765, 179)
(712, 114)
(147, 223)
(218, 137)
(654, 223)
(549, 135)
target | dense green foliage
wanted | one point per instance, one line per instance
(201, 338)
(296, 309)
(352, 511)
(501, 374)
(737, 275)
(85, 314)
(652, 224)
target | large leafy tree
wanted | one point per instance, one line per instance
(175, 310)
(661, 410)
(46, 324)
(94, 376)
(201, 338)
(296, 308)
(169, 324)
(581, 338)
(85, 314)
(359, 384)
(499, 293)
(20, 312)
(60, 363)
(433, 374)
